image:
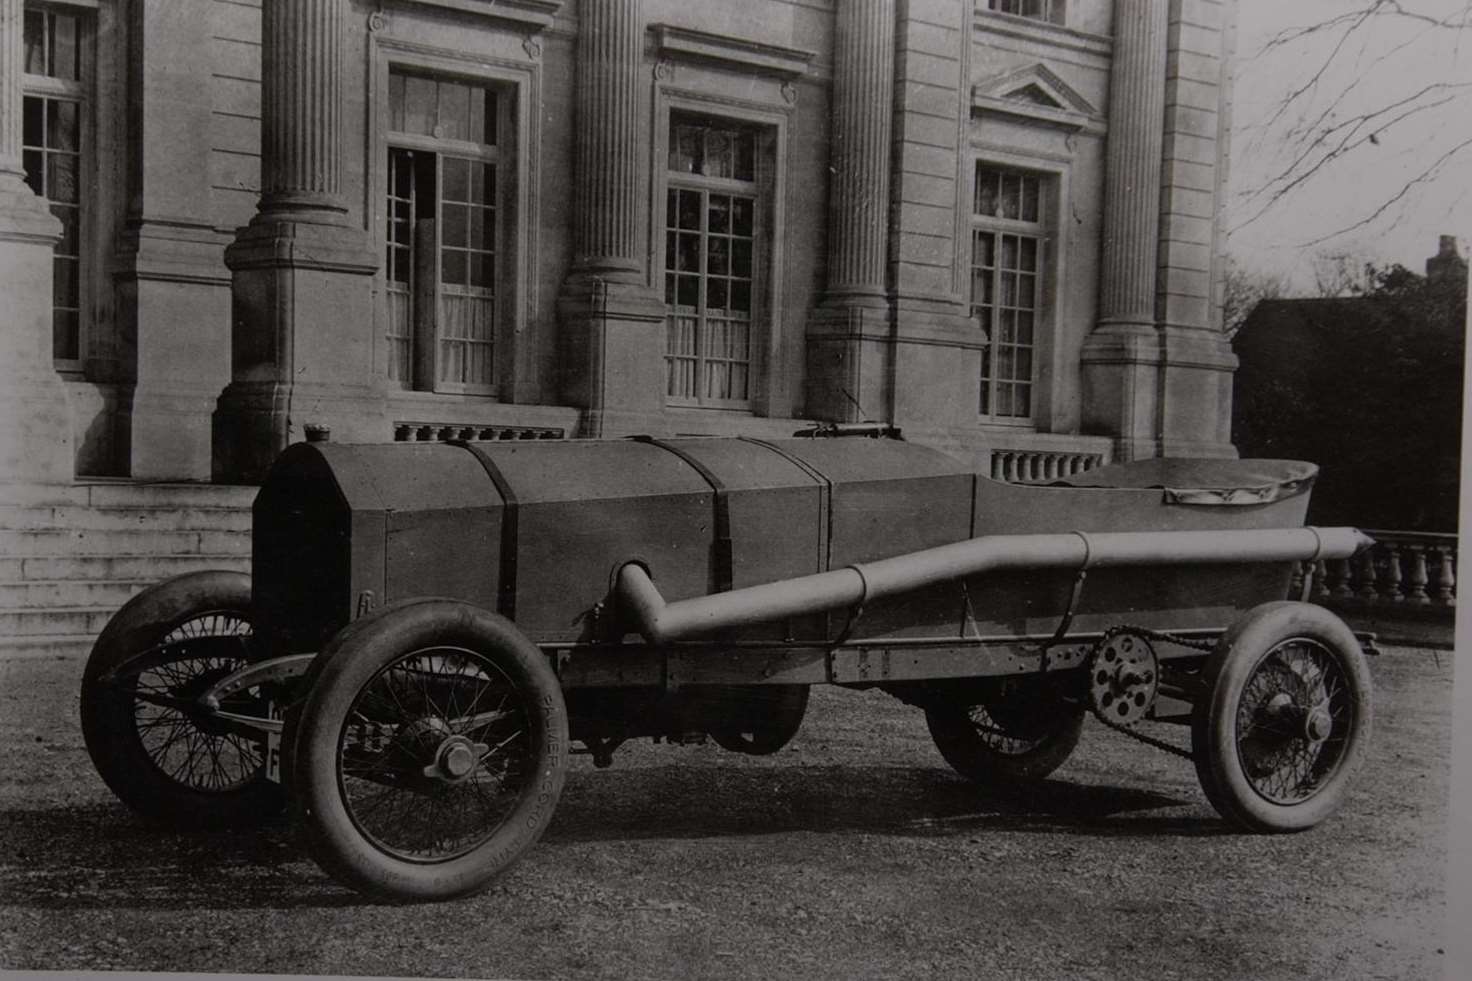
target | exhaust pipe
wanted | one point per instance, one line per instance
(660, 621)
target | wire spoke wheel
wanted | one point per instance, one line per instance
(179, 741)
(1018, 732)
(1286, 718)
(429, 752)
(158, 749)
(1293, 721)
(434, 754)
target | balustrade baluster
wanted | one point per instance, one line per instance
(1393, 575)
(1366, 591)
(1341, 573)
(1446, 577)
(1418, 579)
(1321, 581)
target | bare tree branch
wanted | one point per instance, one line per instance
(1420, 178)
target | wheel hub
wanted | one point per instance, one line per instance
(1123, 677)
(455, 759)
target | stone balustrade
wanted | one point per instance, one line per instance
(1405, 572)
(1040, 466)
(429, 432)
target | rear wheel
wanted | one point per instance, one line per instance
(151, 742)
(761, 719)
(1286, 719)
(1016, 732)
(429, 753)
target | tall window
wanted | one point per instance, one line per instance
(445, 228)
(1006, 265)
(1049, 10)
(51, 138)
(713, 232)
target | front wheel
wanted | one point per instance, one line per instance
(1286, 718)
(429, 753)
(152, 743)
(1016, 733)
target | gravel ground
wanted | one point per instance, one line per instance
(852, 853)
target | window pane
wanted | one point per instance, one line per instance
(35, 42)
(34, 124)
(716, 294)
(396, 102)
(454, 112)
(457, 179)
(689, 215)
(66, 334)
(741, 297)
(483, 270)
(64, 283)
(65, 41)
(61, 177)
(454, 225)
(718, 154)
(35, 167)
(741, 258)
(720, 214)
(986, 191)
(685, 149)
(689, 258)
(718, 257)
(1029, 199)
(453, 267)
(63, 129)
(746, 156)
(743, 216)
(688, 293)
(419, 105)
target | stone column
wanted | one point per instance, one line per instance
(850, 350)
(613, 322)
(173, 291)
(35, 423)
(301, 344)
(1120, 360)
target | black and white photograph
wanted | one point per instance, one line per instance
(734, 489)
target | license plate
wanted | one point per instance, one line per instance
(273, 748)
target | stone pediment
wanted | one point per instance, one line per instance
(1035, 93)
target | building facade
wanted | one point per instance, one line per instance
(991, 223)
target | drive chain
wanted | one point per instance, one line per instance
(1192, 643)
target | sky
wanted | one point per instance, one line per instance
(1382, 63)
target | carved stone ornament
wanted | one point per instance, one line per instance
(664, 70)
(377, 21)
(789, 93)
(533, 47)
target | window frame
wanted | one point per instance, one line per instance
(518, 78)
(769, 127)
(82, 91)
(1052, 11)
(706, 186)
(442, 148)
(1047, 230)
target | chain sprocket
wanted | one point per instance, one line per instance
(1112, 680)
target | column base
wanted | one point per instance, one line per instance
(613, 342)
(850, 359)
(1196, 392)
(35, 416)
(1120, 371)
(255, 421)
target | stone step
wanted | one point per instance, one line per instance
(73, 620)
(152, 568)
(124, 518)
(47, 645)
(91, 541)
(123, 493)
(67, 593)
